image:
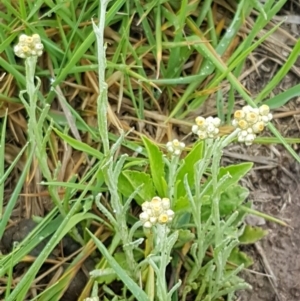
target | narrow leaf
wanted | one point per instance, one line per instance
(282, 98)
(79, 145)
(139, 294)
(156, 165)
(236, 172)
(187, 167)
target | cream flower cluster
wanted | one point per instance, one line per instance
(251, 121)
(156, 211)
(206, 127)
(175, 147)
(29, 46)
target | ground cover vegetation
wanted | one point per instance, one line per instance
(112, 186)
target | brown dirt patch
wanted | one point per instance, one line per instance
(277, 255)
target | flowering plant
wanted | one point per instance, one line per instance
(169, 219)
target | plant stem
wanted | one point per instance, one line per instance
(102, 102)
(111, 179)
(161, 241)
(35, 132)
(172, 178)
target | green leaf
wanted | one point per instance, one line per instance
(249, 210)
(259, 7)
(182, 204)
(15, 195)
(252, 234)
(238, 257)
(184, 237)
(130, 180)
(107, 276)
(282, 98)
(81, 146)
(139, 294)
(242, 212)
(121, 260)
(187, 167)
(232, 198)
(156, 166)
(206, 208)
(236, 172)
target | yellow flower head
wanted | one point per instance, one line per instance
(163, 218)
(243, 124)
(239, 114)
(264, 110)
(258, 127)
(36, 38)
(251, 117)
(29, 40)
(25, 49)
(200, 121)
(155, 201)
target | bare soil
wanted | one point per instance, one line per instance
(275, 275)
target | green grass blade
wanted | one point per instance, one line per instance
(75, 186)
(280, 73)
(13, 71)
(81, 50)
(42, 230)
(158, 37)
(2, 162)
(15, 195)
(13, 164)
(80, 145)
(281, 99)
(207, 67)
(139, 294)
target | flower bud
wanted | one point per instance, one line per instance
(147, 225)
(239, 114)
(258, 127)
(251, 117)
(144, 217)
(243, 124)
(200, 121)
(163, 218)
(264, 110)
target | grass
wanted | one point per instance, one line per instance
(164, 61)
